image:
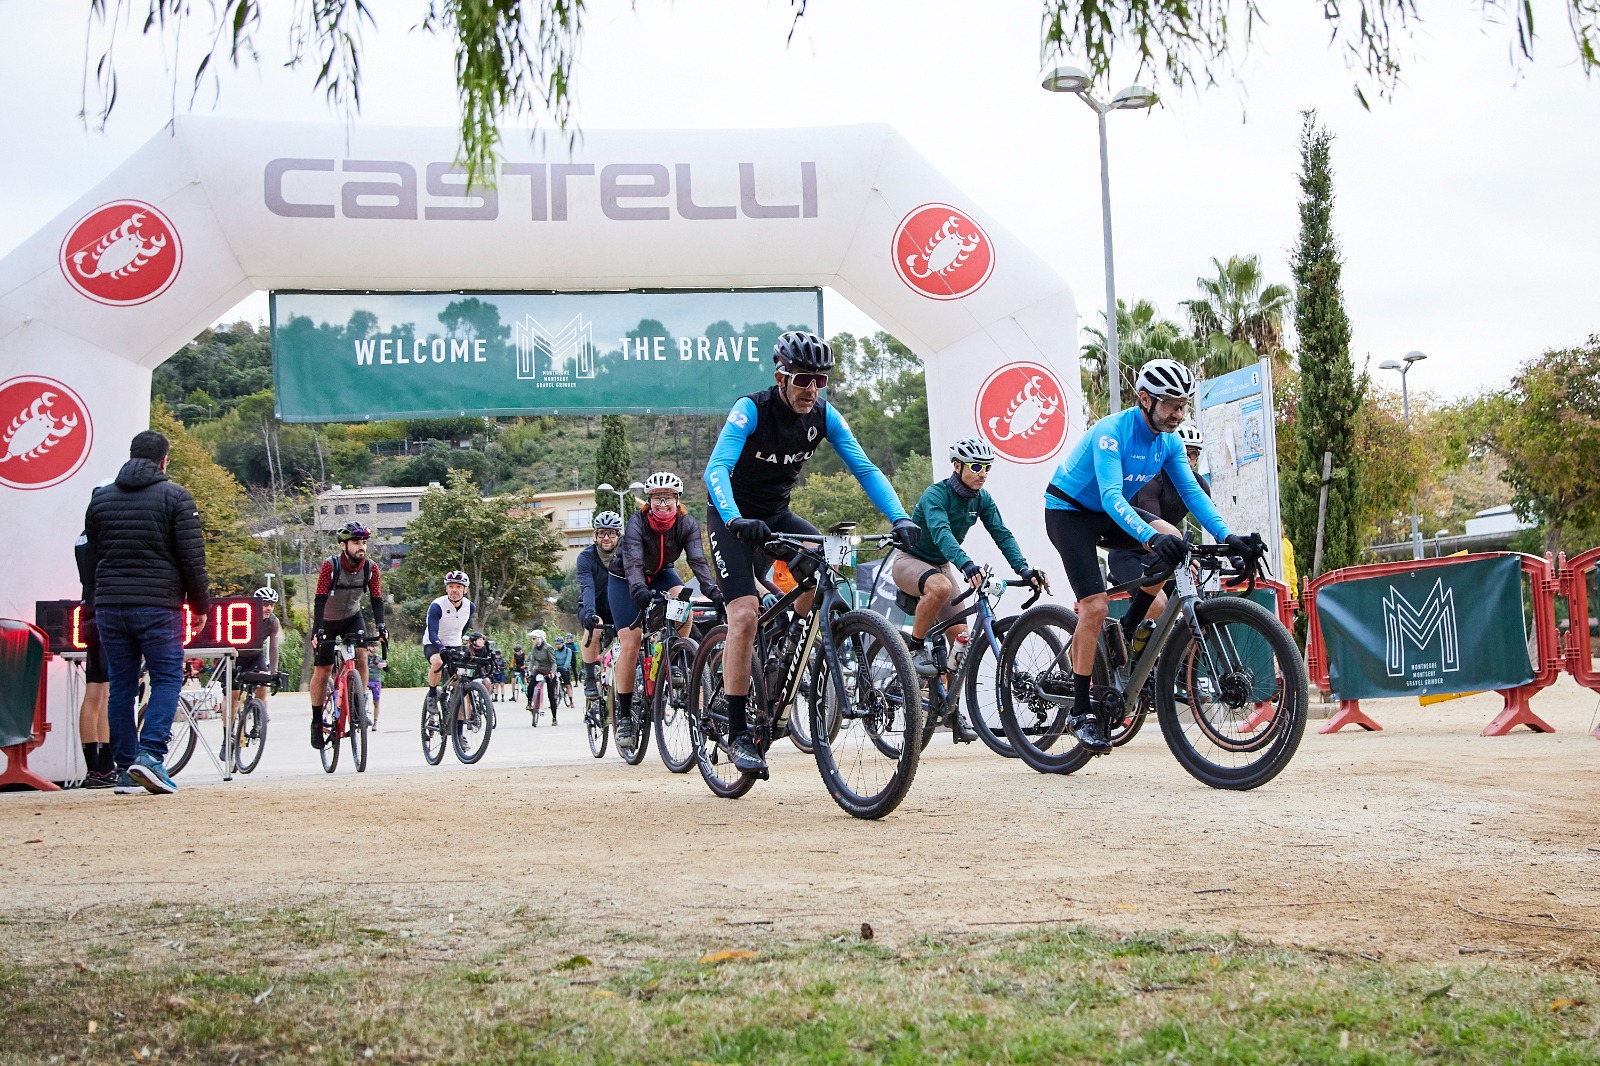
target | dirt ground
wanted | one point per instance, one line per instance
(1379, 844)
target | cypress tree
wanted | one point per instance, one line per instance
(612, 461)
(1330, 396)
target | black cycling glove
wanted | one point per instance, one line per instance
(753, 531)
(906, 533)
(1169, 548)
(1248, 548)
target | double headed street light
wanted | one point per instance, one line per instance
(1405, 401)
(1073, 80)
(622, 497)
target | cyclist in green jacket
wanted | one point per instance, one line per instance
(944, 514)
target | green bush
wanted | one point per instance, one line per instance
(407, 667)
(291, 654)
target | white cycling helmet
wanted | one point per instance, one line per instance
(663, 481)
(971, 450)
(266, 594)
(1166, 379)
(1191, 436)
(607, 520)
(457, 577)
(537, 634)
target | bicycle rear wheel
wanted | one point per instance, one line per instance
(673, 742)
(433, 730)
(471, 729)
(356, 707)
(869, 766)
(1035, 689)
(1232, 707)
(181, 738)
(708, 723)
(249, 734)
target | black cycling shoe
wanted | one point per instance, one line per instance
(1086, 727)
(747, 755)
(316, 729)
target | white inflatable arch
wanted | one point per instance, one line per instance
(211, 210)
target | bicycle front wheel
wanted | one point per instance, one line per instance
(673, 741)
(1233, 705)
(1035, 689)
(869, 766)
(983, 688)
(355, 702)
(330, 737)
(181, 739)
(249, 735)
(434, 733)
(594, 723)
(708, 718)
(473, 725)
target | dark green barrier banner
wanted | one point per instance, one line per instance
(349, 357)
(1440, 630)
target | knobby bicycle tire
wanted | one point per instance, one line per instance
(882, 702)
(249, 734)
(705, 698)
(1033, 664)
(596, 725)
(982, 693)
(674, 743)
(639, 712)
(434, 733)
(479, 720)
(355, 706)
(1250, 668)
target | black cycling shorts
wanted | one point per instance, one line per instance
(1076, 535)
(94, 657)
(734, 561)
(354, 626)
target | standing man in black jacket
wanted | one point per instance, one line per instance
(143, 533)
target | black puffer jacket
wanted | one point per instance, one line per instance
(144, 533)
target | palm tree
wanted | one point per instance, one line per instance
(1142, 335)
(1238, 318)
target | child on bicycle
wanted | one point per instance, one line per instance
(654, 539)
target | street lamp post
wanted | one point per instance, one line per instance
(622, 507)
(1073, 80)
(1404, 367)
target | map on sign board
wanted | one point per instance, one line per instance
(1240, 453)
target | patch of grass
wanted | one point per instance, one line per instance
(307, 984)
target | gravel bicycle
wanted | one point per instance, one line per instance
(249, 733)
(344, 706)
(661, 682)
(536, 693)
(461, 711)
(1230, 688)
(976, 668)
(865, 700)
(242, 736)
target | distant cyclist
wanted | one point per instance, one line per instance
(757, 461)
(542, 671)
(1086, 506)
(1161, 498)
(643, 569)
(449, 618)
(336, 612)
(946, 512)
(594, 603)
(564, 660)
(263, 659)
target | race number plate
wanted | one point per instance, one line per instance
(678, 610)
(838, 551)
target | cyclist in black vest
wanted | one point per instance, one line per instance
(757, 461)
(594, 604)
(336, 612)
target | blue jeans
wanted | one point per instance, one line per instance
(154, 634)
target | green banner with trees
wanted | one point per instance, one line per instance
(1437, 630)
(351, 357)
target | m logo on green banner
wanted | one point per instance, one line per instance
(1436, 630)
(353, 356)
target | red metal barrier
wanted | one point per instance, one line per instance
(1574, 586)
(1550, 659)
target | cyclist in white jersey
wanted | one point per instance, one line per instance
(449, 618)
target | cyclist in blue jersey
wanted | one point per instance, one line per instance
(754, 467)
(1087, 506)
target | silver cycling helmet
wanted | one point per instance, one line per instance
(1191, 436)
(608, 520)
(1166, 379)
(972, 450)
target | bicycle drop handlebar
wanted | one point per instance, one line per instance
(1211, 558)
(1015, 583)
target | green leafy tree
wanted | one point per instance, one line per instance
(1547, 430)
(879, 386)
(505, 550)
(1142, 335)
(613, 460)
(1398, 463)
(827, 499)
(519, 59)
(230, 553)
(1238, 317)
(1330, 395)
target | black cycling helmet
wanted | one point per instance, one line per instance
(803, 351)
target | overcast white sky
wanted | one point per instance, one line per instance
(1466, 207)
